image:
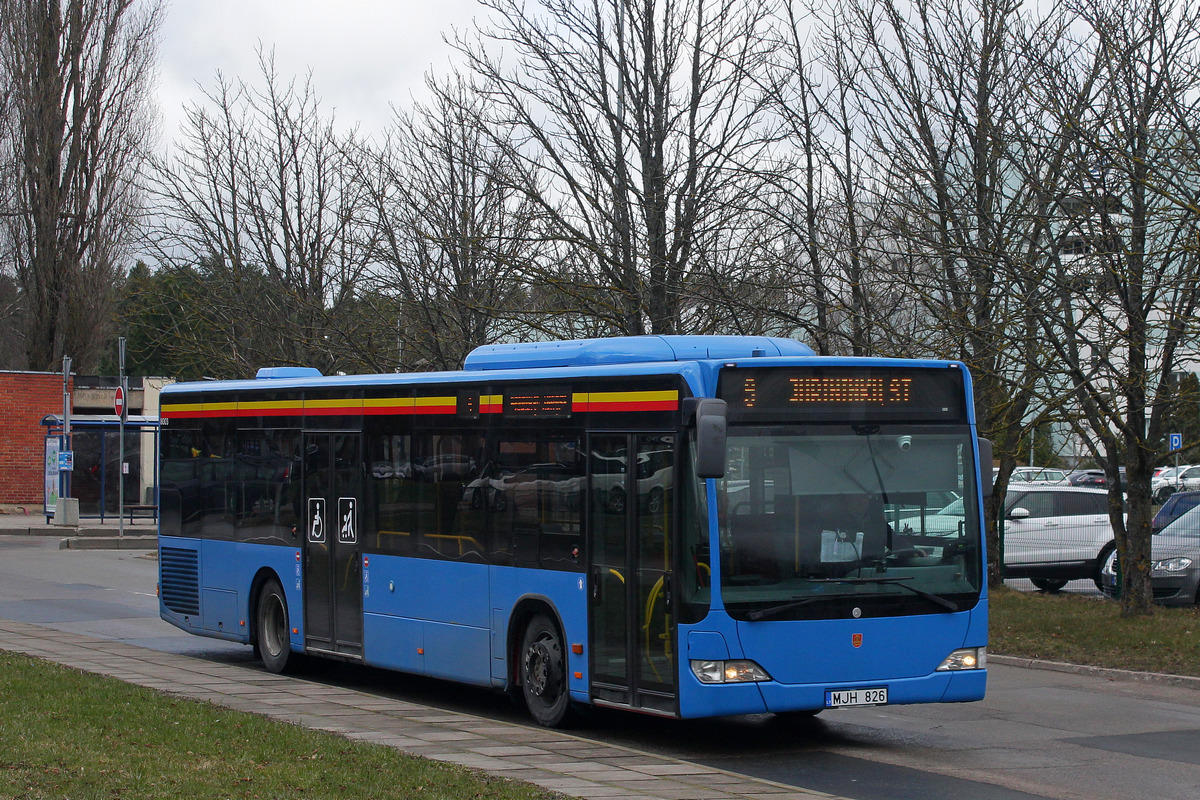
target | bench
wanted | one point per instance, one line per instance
(144, 509)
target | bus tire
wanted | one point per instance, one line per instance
(272, 625)
(544, 672)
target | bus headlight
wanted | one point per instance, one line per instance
(967, 658)
(729, 671)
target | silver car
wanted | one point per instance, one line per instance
(1174, 563)
(1171, 480)
(1037, 475)
(1053, 533)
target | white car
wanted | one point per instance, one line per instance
(1188, 479)
(1038, 475)
(1053, 533)
(1171, 480)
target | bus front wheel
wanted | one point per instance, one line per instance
(271, 631)
(544, 672)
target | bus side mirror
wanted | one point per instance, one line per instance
(985, 466)
(709, 415)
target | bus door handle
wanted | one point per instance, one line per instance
(598, 581)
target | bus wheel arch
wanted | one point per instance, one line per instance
(538, 661)
(270, 619)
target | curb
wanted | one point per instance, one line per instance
(78, 532)
(109, 542)
(1186, 681)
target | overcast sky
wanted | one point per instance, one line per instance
(364, 54)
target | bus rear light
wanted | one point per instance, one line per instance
(729, 671)
(964, 659)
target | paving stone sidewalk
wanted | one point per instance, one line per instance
(551, 759)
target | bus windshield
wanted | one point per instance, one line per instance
(825, 521)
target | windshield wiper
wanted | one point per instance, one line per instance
(898, 581)
(891, 581)
(779, 609)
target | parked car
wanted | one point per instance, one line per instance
(1174, 563)
(1188, 479)
(1176, 506)
(1094, 478)
(1165, 482)
(1037, 475)
(1053, 533)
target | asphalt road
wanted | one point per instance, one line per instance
(1039, 733)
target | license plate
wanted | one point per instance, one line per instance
(876, 696)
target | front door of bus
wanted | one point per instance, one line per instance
(332, 549)
(630, 515)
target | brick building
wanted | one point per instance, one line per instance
(25, 398)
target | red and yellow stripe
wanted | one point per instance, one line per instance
(593, 402)
(312, 408)
(625, 401)
(491, 403)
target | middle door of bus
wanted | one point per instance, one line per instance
(332, 549)
(630, 518)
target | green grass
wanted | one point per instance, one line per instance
(1083, 630)
(66, 734)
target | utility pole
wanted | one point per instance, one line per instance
(64, 476)
(122, 415)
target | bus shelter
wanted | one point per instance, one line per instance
(94, 473)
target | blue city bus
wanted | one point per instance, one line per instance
(685, 526)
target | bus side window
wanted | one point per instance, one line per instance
(456, 529)
(534, 496)
(391, 495)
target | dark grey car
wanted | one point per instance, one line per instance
(1175, 563)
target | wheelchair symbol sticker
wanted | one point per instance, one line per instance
(316, 519)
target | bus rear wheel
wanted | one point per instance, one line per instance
(272, 639)
(544, 672)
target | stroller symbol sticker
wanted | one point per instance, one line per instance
(347, 520)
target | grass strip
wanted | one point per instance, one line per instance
(1091, 631)
(69, 734)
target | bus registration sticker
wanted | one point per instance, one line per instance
(874, 696)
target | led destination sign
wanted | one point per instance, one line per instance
(838, 391)
(857, 393)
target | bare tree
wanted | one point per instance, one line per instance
(454, 239)
(640, 132)
(1122, 259)
(263, 191)
(821, 215)
(77, 123)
